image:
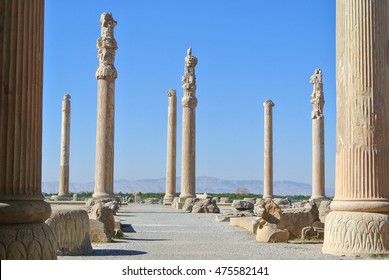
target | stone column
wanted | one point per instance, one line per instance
(171, 148)
(23, 211)
(189, 103)
(65, 142)
(268, 149)
(106, 75)
(317, 100)
(359, 222)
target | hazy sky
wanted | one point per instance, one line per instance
(248, 51)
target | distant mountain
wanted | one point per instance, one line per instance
(203, 184)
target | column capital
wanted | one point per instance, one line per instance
(171, 93)
(268, 103)
(107, 46)
(66, 97)
(317, 96)
(189, 77)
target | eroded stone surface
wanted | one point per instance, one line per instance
(103, 214)
(298, 218)
(271, 225)
(242, 205)
(72, 232)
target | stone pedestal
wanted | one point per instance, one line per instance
(23, 211)
(317, 100)
(65, 143)
(189, 103)
(106, 75)
(359, 222)
(268, 149)
(171, 148)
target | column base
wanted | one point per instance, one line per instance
(356, 234)
(179, 204)
(27, 242)
(61, 197)
(103, 195)
(168, 199)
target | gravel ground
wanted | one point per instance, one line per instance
(156, 232)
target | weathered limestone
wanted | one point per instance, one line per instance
(106, 75)
(171, 148)
(359, 222)
(102, 223)
(189, 103)
(249, 223)
(207, 205)
(65, 143)
(23, 211)
(268, 149)
(298, 218)
(317, 100)
(271, 225)
(242, 205)
(71, 229)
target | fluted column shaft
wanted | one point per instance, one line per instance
(318, 164)
(23, 233)
(359, 224)
(65, 148)
(171, 148)
(362, 124)
(268, 149)
(189, 103)
(106, 75)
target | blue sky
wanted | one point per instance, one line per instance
(248, 51)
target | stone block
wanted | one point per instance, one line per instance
(298, 218)
(97, 232)
(72, 231)
(248, 223)
(269, 232)
(324, 210)
(242, 205)
(205, 206)
(104, 214)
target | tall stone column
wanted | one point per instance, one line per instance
(317, 100)
(189, 103)
(268, 149)
(65, 143)
(359, 222)
(106, 75)
(23, 211)
(171, 148)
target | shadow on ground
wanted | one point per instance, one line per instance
(143, 239)
(116, 252)
(127, 228)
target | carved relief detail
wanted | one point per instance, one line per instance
(71, 229)
(189, 101)
(107, 46)
(356, 233)
(27, 242)
(189, 77)
(317, 96)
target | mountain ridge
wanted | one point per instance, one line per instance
(203, 184)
